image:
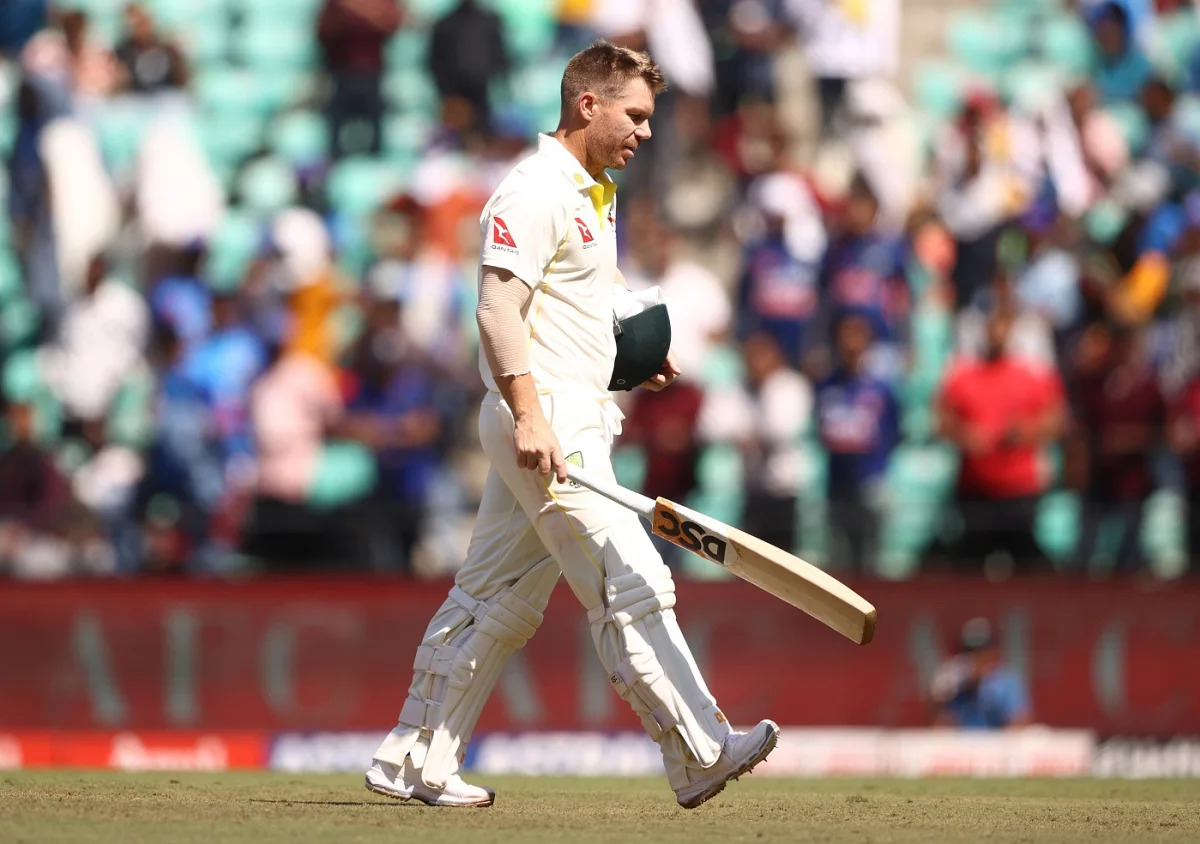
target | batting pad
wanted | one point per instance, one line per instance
(457, 665)
(652, 669)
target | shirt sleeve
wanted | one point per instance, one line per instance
(1052, 393)
(522, 232)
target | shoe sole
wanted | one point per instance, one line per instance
(383, 792)
(380, 790)
(747, 768)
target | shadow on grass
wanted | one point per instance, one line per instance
(324, 802)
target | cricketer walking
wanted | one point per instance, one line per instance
(549, 292)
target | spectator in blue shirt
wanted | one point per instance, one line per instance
(399, 408)
(864, 272)
(974, 690)
(179, 298)
(859, 424)
(1123, 68)
(778, 292)
(222, 367)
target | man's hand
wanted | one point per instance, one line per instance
(666, 375)
(537, 446)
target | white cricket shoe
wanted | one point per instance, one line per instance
(742, 751)
(405, 784)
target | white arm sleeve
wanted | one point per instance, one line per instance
(503, 300)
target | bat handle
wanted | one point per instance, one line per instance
(613, 491)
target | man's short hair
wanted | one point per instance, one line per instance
(605, 69)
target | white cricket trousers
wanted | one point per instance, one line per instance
(526, 532)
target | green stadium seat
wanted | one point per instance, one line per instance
(412, 90)
(226, 91)
(282, 88)
(1132, 122)
(357, 186)
(529, 27)
(536, 86)
(131, 418)
(1177, 43)
(1104, 221)
(425, 12)
(233, 246)
(229, 141)
(1031, 86)
(812, 522)
(267, 186)
(178, 17)
(120, 128)
(11, 287)
(719, 483)
(19, 323)
(206, 43)
(986, 42)
(408, 50)
(21, 379)
(9, 82)
(933, 342)
(295, 12)
(1187, 115)
(629, 466)
(346, 473)
(939, 88)
(919, 483)
(300, 138)
(405, 136)
(722, 367)
(8, 132)
(1056, 525)
(1066, 43)
(270, 44)
(1164, 533)
(94, 8)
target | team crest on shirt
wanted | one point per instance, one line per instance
(576, 458)
(502, 238)
(584, 232)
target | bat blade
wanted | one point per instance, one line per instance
(771, 569)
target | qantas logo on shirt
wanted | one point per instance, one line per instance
(585, 233)
(501, 235)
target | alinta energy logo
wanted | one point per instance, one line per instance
(502, 238)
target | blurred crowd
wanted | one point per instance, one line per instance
(939, 316)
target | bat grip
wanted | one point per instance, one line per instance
(627, 498)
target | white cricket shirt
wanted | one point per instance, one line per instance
(553, 226)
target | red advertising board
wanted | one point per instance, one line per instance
(301, 654)
(164, 750)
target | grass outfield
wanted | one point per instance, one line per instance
(58, 806)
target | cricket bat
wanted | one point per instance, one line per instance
(771, 569)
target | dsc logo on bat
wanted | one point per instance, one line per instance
(687, 534)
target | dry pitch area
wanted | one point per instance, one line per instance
(217, 808)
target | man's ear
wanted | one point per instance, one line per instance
(587, 105)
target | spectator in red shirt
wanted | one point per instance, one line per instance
(1119, 415)
(665, 426)
(1000, 411)
(352, 34)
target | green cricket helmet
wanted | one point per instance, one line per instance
(643, 341)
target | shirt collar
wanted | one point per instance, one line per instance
(602, 190)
